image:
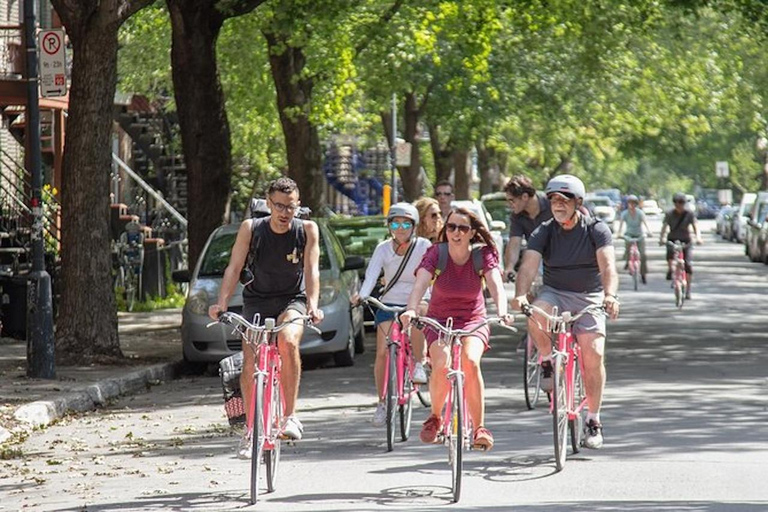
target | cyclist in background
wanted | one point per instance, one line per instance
(389, 255)
(634, 219)
(529, 209)
(457, 292)
(579, 271)
(679, 221)
(282, 254)
(430, 219)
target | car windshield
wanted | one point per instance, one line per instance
(499, 211)
(600, 201)
(216, 258)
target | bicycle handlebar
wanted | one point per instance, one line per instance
(379, 305)
(238, 322)
(555, 321)
(420, 321)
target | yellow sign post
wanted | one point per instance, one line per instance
(386, 199)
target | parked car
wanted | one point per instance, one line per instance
(602, 208)
(754, 243)
(723, 221)
(341, 329)
(651, 208)
(495, 227)
(741, 217)
(497, 205)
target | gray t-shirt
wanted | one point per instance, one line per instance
(522, 225)
(570, 257)
(634, 222)
(678, 225)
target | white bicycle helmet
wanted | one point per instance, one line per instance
(567, 184)
(406, 210)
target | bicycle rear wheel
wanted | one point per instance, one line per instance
(406, 409)
(576, 424)
(456, 436)
(272, 457)
(130, 288)
(634, 278)
(531, 373)
(559, 411)
(391, 395)
(257, 436)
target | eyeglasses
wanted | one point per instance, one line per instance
(446, 194)
(397, 225)
(682, 201)
(283, 208)
(451, 227)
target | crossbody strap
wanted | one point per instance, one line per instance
(400, 269)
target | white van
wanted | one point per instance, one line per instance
(741, 216)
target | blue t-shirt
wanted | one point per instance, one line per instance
(570, 257)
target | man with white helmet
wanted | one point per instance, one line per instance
(579, 271)
(404, 249)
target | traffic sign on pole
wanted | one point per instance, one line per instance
(53, 63)
(721, 169)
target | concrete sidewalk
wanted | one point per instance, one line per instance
(151, 343)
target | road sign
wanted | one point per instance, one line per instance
(403, 154)
(725, 196)
(53, 63)
(721, 169)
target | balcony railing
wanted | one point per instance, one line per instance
(11, 51)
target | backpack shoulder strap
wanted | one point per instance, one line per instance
(301, 236)
(477, 260)
(442, 259)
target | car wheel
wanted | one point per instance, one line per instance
(346, 357)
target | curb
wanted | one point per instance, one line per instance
(45, 412)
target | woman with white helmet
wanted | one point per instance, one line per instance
(388, 256)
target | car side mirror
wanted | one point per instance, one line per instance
(181, 276)
(353, 263)
(498, 225)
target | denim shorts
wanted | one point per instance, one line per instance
(385, 316)
(593, 322)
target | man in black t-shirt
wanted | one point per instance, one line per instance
(529, 210)
(579, 271)
(679, 220)
(291, 257)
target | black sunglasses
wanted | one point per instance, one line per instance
(438, 194)
(451, 227)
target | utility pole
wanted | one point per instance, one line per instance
(40, 343)
(394, 148)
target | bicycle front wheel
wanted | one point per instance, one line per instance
(406, 408)
(576, 424)
(391, 395)
(257, 436)
(456, 436)
(634, 278)
(130, 288)
(531, 374)
(272, 457)
(559, 411)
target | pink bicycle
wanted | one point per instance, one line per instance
(457, 428)
(399, 387)
(679, 274)
(634, 260)
(568, 403)
(266, 403)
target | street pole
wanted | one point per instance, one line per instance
(394, 148)
(40, 344)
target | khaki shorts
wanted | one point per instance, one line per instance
(593, 322)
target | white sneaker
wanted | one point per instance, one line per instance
(292, 428)
(380, 415)
(245, 448)
(419, 374)
(593, 435)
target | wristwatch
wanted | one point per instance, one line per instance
(612, 295)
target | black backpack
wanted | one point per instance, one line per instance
(258, 229)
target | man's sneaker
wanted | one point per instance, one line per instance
(546, 383)
(245, 448)
(419, 374)
(687, 294)
(430, 429)
(644, 280)
(669, 275)
(593, 435)
(380, 416)
(292, 428)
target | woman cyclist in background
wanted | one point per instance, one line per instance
(430, 220)
(402, 220)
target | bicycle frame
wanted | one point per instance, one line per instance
(268, 364)
(403, 363)
(679, 274)
(564, 343)
(634, 258)
(455, 373)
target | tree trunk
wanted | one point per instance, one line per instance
(87, 319)
(485, 168)
(440, 154)
(462, 171)
(203, 120)
(413, 184)
(294, 94)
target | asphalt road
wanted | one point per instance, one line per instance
(685, 426)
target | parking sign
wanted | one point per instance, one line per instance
(53, 63)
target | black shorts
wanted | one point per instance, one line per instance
(273, 308)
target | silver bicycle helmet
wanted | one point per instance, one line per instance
(632, 197)
(567, 184)
(406, 210)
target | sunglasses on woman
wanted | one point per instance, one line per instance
(451, 227)
(397, 225)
